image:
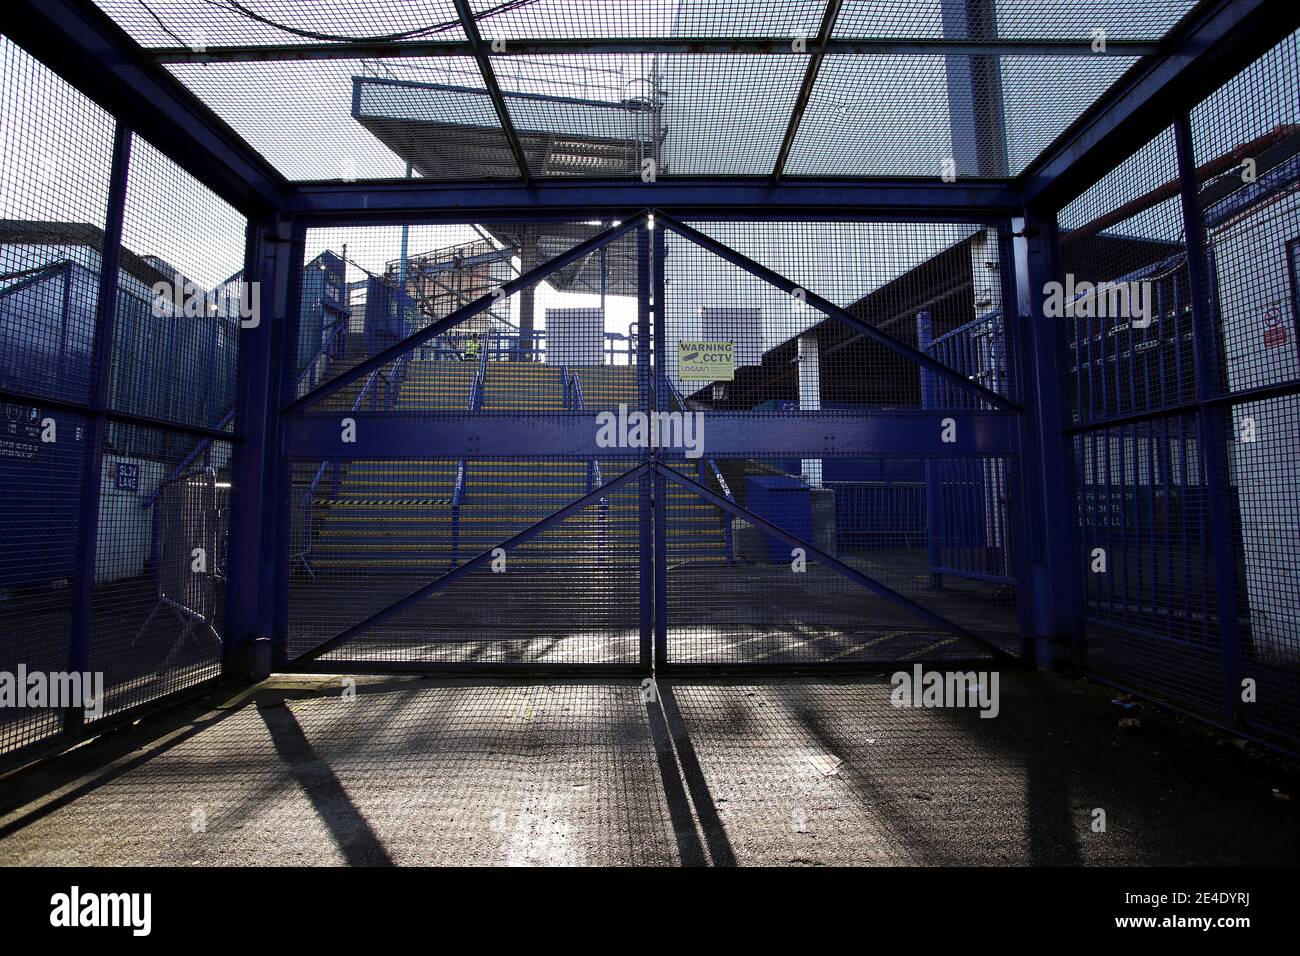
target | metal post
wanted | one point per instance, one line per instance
(1024, 494)
(1054, 577)
(401, 272)
(528, 260)
(100, 375)
(661, 401)
(1206, 352)
(266, 351)
(810, 398)
(646, 485)
(274, 603)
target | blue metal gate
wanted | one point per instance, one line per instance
(756, 474)
(862, 480)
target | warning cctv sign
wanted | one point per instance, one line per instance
(706, 361)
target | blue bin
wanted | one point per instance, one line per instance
(784, 501)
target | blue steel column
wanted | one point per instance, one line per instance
(254, 504)
(1055, 577)
(646, 485)
(275, 593)
(101, 367)
(1205, 347)
(1024, 493)
(661, 486)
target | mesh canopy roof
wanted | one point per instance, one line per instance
(380, 89)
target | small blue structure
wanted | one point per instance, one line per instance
(784, 501)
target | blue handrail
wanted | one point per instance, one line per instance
(310, 493)
(336, 330)
(477, 388)
(31, 277)
(573, 401)
(505, 347)
(712, 464)
(203, 447)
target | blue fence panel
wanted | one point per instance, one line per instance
(966, 500)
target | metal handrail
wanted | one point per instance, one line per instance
(202, 447)
(712, 464)
(477, 388)
(966, 326)
(594, 477)
(310, 493)
(337, 328)
(504, 345)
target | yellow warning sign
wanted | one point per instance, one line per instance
(706, 361)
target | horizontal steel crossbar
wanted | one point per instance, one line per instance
(706, 45)
(894, 432)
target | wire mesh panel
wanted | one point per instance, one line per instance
(739, 595)
(181, 300)
(652, 114)
(55, 158)
(366, 289)
(1246, 140)
(367, 530)
(1263, 484)
(1187, 542)
(1124, 290)
(790, 357)
(198, 23)
(648, 18)
(587, 110)
(1060, 19)
(40, 493)
(570, 596)
(917, 550)
(158, 606)
(853, 127)
(359, 119)
(1146, 559)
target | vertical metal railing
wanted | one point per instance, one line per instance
(92, 479)
(1206, 339)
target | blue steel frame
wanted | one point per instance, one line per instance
(81, 44)
(1052, 579)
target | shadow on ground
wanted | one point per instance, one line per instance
(804, 771)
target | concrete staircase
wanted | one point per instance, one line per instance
(408, 516)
